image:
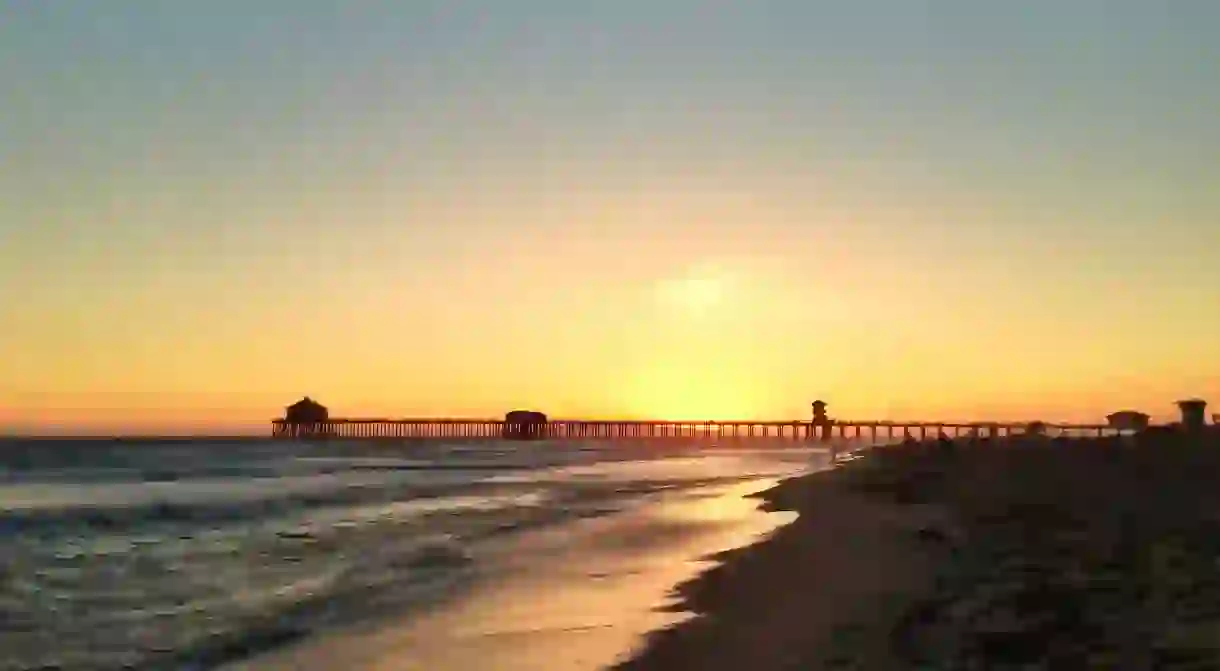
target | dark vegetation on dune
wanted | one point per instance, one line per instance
(1043, 553)
(1065, 554)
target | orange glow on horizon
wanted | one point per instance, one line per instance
(604, 214)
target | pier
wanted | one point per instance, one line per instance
(561, 429)
(309, 419)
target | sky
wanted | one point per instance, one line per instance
(622, 208)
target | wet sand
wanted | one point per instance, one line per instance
(575, 597)
(1016, 553)
(788, 601)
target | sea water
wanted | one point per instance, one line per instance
(188, 554)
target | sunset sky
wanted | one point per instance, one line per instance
(653, 208)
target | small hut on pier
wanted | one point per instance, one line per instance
(1128, 420)
(1036, 429)
(525, 425)
(306, 418)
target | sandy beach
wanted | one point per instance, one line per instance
(1055, 553)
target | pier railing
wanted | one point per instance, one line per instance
(454, 428)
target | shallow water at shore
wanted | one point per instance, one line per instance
(574, 597)
(160, 557)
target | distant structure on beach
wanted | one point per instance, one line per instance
(1128, 420)
(1193, 413)
(525, 425)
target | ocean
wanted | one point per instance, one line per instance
(194, 554)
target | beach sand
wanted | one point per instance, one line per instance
(1016, 553)
(842, 571)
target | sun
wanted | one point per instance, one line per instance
(696, 293)
(674, 391)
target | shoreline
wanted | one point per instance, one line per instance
(601, 578)
(841, 570)
(1071, 552)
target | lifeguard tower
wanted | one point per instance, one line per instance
(1193, 418)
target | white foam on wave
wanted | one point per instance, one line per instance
(693, 467)
(164, 580)
(32, 496)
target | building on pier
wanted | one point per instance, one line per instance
(525, 425)
(820, 421)
(306, 418)
(1035, 428)
(1128, 420)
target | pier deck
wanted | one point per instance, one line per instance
(372, 428)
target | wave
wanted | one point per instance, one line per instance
(235, 619)
(192, 572)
